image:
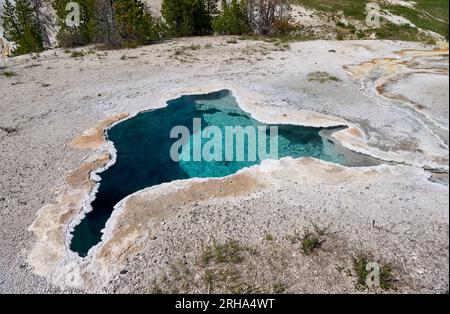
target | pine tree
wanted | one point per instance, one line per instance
(233, 18)
(186, 17)
(77, 35)
(110, 22)
(106, 28)
(21, 26)
(43, 20)
(134, 22)
(9, 17)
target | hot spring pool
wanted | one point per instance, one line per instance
(143, 144)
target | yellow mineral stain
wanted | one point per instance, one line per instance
(94, 138)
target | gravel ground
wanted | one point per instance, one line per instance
(54, 97)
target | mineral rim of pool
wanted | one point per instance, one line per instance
(143, 144)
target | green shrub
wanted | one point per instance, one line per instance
(278, 288)
(228, 252)
(9, 74)
(309, 243)
(233, 19)
(359, 266)
(77, 54)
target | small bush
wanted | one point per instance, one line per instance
(9, 130)
(228, 252)
(9, 74)
(194, 47)
(206, 255)
(132, 44)
(278, 288)
(312, 240)
(322, 77)
(77, 54)
(359, 266)
(309, 243)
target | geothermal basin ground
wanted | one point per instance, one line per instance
(296, 225)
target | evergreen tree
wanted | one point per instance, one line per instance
(106, 29)
(111, 22)
(186, 17)
(21, 26)
(76, 35)
(233, 19)
(135, 24)
(44, 20)
(9, 19)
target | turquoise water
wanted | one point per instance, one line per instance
(143, 144)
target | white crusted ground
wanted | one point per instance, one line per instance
(54, 98)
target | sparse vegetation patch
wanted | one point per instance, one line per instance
(228, 252)
(9, 73)
(386, 278)
(77, 54)
(322, 77)
(309, 243)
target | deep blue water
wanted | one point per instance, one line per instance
(143, 146)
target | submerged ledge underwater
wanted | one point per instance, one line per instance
(143, 159)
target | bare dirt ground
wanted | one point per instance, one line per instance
(392, 96)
